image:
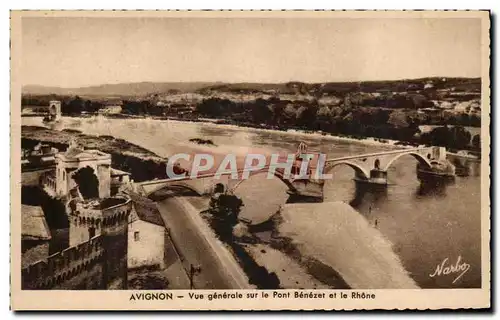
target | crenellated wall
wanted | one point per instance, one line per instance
(96, 263)
(85, 217)
(68, 269)
(115, 243)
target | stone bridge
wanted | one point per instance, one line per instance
(204, 184)
(368, 168)
(373, 167)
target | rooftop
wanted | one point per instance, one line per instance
(146, 210)
(81, 154)
(77, 152)
(34, 225)
(116, 172)
(102, 204)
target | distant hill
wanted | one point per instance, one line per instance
(460, 84)
(120, 89)
(139, 89)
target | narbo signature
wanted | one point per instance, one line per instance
(445, 268)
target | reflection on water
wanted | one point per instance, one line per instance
(424, 224)
(429, 189)
(465, 167)
(371, 194)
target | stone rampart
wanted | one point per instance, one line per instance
(63, 266)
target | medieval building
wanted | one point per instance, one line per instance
(147, 235)
(98, 227)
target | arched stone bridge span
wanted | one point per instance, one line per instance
(368, 165)
(205, 184)
(371, 168)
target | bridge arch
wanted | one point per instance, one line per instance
(360, 171)
(175, 184)
(420, 158)
(278, 175)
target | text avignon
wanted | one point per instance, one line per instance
(151, 296)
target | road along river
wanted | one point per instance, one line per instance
(199, 245)
(428, 227)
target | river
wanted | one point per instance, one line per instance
(424, 225)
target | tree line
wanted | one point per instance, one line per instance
(454, 137)
(347, 119)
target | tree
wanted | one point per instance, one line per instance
(87, 106)
(455, 137)
(276, 108)
(323, 118)
(76, 105)
(214, 107)
(225, 209)
(460, 137)
(289, 114)
(476, 142)
(398, 119)
(260, 111)
(135, 107)
(336, 111)
(306, 116)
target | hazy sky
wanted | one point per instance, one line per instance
(73, 52)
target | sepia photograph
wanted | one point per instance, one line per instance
(170, 151)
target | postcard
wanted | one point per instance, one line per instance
(250, 160)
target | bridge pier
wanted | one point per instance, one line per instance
(377, 178)
(439, 172)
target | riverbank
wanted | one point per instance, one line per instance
(141, 163)
(347, 244)
(348, 253)
(288, 252)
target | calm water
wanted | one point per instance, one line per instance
(425, 225)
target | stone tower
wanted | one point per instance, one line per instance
(115, 243)
(55, 110)
(107, 219)
(102, 217)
